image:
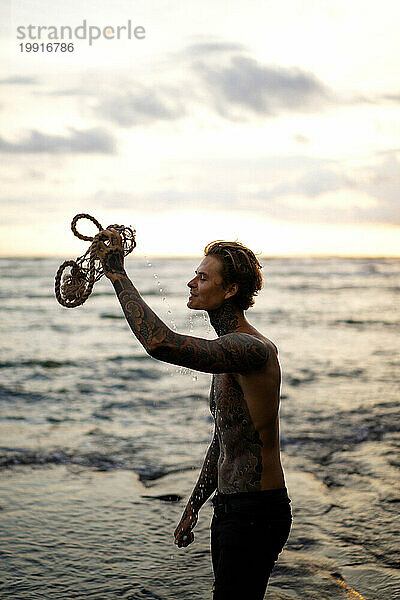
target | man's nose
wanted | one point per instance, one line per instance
(192, 282)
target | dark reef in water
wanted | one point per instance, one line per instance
(166, 497)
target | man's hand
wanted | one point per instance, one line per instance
(183, 533)
(110, 252)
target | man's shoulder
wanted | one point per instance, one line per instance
(254, 349)
(244, 337)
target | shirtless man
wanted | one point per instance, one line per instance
(252, 516)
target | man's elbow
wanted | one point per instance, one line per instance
(158, 351)
(160, 344)
(151, 349)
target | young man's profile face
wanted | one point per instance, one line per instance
(206, 289)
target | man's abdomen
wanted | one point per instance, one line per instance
(251, 471)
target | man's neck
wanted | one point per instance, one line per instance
(226, 319)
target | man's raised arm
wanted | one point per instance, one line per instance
(233, 352)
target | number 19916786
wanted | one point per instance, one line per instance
(49, 47)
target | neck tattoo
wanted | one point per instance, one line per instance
(224, 319)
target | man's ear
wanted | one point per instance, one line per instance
(231, 290)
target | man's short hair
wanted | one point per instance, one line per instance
(239, 265)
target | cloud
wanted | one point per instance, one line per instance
(263, 90)
(233, 183)
(219, 76)
(336, 192)
(160, 200)
(328, 191)
(143, 106)
(392, 97)
(382, 181)
(299, 138)
(310, 184)
(212, 48)
(19, 80)
(295, 189)
(89, 141)
(73, 91)
(225, 83)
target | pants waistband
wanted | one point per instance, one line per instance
(242, 499)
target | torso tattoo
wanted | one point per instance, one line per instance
(240, 459)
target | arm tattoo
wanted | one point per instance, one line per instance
(208, 478)
(113, 262)
(233, 352)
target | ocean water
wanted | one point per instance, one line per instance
(101, 445)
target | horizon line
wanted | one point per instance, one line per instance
(195, 256)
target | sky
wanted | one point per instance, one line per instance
(273, 123)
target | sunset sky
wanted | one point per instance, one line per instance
(274, 123)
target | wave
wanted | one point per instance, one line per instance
(325, 438)
(329, 289)
(309, 376)
(143, 292)
(365, 322)
(13, 295)
(94, 459)
(122, 405)
(135, 357)
(33, 296)
(296, 380)
(12, 394)
(342, 373)
(140, 593)
(44, 363)
(56, 364)
(140, 374)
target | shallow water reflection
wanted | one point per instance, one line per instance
(90, 426)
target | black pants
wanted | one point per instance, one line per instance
(248, 531)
